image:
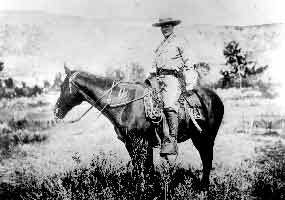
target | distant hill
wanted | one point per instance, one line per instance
(34, 45)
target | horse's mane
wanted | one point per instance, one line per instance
(103, 82)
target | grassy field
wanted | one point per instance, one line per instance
(86, 161)
(41, 159)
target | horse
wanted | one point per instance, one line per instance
(122, 103)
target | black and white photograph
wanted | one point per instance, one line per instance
(142, 100)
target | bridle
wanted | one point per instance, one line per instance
(93, 103)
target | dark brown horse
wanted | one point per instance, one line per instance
(130, 122)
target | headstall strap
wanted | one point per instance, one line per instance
(89, 99)
(71, 78)
(92, 102)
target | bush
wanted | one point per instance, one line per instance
(107, 177)
(32, 125)
(21, 131)
(15, 92)
(270, 181)
(239, 67)
(9, 140)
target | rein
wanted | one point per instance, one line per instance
(94, 103)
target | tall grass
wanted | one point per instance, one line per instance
(270, 182)
(22, 131)
(106, 177)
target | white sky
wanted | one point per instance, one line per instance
(237, 12)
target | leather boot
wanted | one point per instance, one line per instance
(169, 144)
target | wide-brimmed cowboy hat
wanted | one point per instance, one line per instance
(164, 21)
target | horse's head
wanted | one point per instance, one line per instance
(69, 96)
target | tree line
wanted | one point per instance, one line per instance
(9, 89)
(239, 69)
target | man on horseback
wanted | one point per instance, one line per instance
(172, 64)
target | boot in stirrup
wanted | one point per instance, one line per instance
(169, 144)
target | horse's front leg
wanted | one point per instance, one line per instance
(141, 153)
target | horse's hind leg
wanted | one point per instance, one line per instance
(207, 159)
(205, 147)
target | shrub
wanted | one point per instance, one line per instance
(21, 131)
(107, 177)
(239, 67)
(270, 181)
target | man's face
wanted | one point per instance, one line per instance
(167, 30)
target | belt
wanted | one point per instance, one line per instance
(172, 72)
(166, 72)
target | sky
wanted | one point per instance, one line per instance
(222, 12)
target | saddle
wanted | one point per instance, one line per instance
(190, 104)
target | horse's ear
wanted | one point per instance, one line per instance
(67, 70)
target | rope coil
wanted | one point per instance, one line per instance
(154, 112)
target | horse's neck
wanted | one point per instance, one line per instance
(104, 90)
(95, 87)
(96, 91)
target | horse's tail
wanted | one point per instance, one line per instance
(213, 108)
